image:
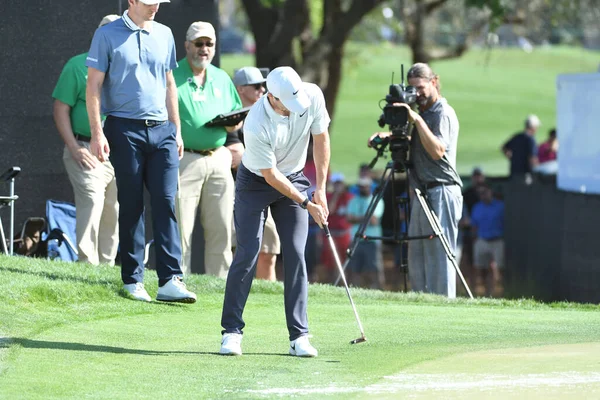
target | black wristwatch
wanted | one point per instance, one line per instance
(304, 204)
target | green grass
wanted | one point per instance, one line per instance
(66, 332)
(491, 92)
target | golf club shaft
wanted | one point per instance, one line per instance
(343, 276)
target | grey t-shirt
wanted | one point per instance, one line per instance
(441, 119)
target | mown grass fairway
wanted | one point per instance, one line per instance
(67, 333)
(492, 93)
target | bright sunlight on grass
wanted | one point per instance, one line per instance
(66, 332)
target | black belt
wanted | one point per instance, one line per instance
(82, 138)
(207, 152)
(150, 123)
(431, 185)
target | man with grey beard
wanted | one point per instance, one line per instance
(205, 91)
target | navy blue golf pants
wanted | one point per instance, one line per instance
(145, 156)
(252, 197)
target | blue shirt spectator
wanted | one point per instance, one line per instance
(357, 208)
(488, 218)
(135, 84)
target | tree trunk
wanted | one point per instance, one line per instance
(283, 36)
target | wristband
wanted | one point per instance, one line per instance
(304, 204)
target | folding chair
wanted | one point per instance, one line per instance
(60, 216)
(9, 201)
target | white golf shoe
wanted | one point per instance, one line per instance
(231, 344)
(137, 291)
(301, 347)
(175, 291)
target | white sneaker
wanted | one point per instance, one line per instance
(175, 291)
(137, 291)
(231, 344)
(301, 347)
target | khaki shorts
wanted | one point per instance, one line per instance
(270, 242)
(484, 252)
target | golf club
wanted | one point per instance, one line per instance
(362, 337)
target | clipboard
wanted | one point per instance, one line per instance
(229, 119)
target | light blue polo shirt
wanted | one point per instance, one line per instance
(358, 206)
(135, 62)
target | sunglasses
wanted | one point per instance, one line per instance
(202, 44)
(257, 86)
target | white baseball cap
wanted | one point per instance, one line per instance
(533, 121)
(285, 84)
(200, 29)
(152, 2)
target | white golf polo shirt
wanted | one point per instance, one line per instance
(273, 140)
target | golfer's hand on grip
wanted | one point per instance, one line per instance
(317, 212)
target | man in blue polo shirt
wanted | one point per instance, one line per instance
(487, 225)
(130, 65)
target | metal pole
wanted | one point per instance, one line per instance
(12, 215)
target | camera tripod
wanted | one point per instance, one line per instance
(398, 237)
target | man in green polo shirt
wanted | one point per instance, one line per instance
(205, 91)
(93, 182)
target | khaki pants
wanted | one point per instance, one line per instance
(97, 210)
(207, 184)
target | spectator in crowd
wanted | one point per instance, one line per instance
(470, 195)
(249, 83)
(465, 238)
(337, 199)
(548, 150)
(363, 172)
(276, 134)
(366, 264)
(521, 149)
(93, 182)
(142, 136)
(487, 220)
(205, 91)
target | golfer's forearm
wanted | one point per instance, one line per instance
(322, 154)
(278, 181)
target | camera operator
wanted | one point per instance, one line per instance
(433, 170)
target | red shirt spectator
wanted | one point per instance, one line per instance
(547, 150)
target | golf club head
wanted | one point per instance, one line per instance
(359, 340)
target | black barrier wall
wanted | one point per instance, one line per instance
(37, 38)
(552, 251)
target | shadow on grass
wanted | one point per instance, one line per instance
(70, 346)
(57, 277)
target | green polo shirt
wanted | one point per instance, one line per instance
(70, 89)
(198, 105)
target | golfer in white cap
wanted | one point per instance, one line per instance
(277, 131)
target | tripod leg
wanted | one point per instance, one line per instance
(437, 230)
(378, 195)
